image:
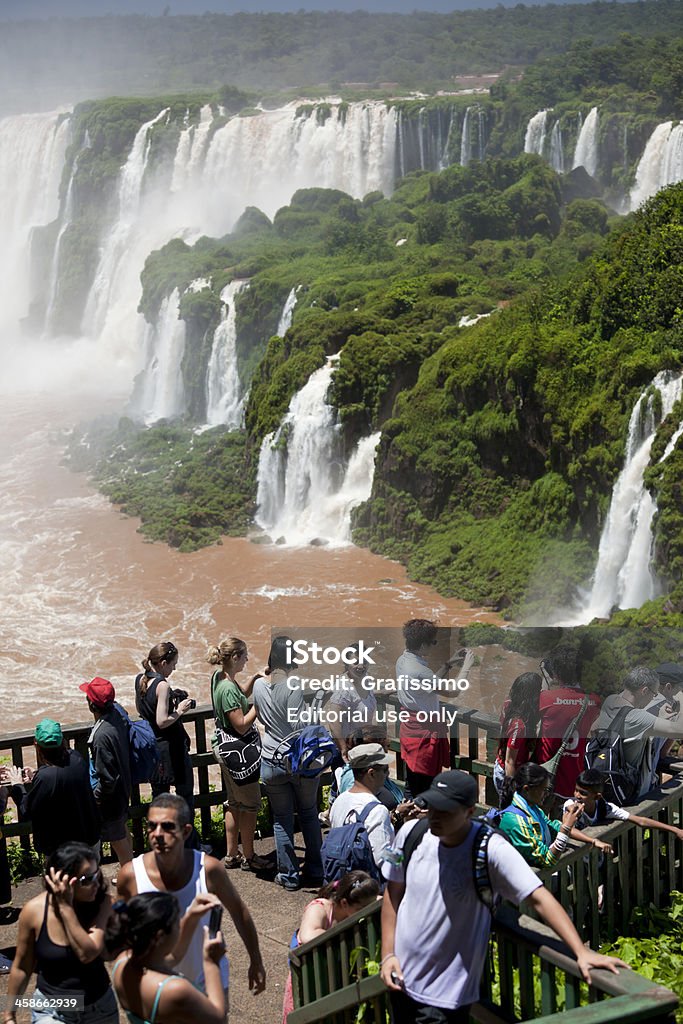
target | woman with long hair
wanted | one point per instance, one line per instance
(541, 840)
(147, 931)
(61, 937)
(279, 702)
(518, 726)
(164, 708)
(334, 903)
(240, 767)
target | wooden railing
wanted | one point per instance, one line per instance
(527, 976)
(471, 736)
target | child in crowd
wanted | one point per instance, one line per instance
(334, 902)
(595, 810)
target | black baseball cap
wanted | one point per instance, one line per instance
(450, 790)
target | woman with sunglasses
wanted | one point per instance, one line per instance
(540, 840)
(61, 937)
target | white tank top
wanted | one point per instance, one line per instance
(192, 964)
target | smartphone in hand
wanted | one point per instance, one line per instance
(215, 918)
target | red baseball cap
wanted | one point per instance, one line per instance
(99, 692)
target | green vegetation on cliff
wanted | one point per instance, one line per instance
(188, 488)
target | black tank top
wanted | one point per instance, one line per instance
(147, 708)
(61, 973)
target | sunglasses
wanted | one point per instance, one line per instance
(165, 826)
(88, 879)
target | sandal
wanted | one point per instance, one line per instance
(255, 863)
(233, 862)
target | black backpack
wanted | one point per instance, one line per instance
(480, 864)
(605, 753)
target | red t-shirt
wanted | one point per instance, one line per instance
(558, 707)
(516, 739)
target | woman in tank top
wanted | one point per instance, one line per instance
(61, 937)
(148, 929)
(335, 902)
(154, 699)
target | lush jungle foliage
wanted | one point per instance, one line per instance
(188, 488)
(501, 441)
(55, 60)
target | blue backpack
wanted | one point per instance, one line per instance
(306, 753)
(494, 815)
(347, 848)
(144, 752)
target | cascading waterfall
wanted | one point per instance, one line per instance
(471, 127)
(586, 152)
(661, 163)
(117, 244)
(224, 397)
(32, 151)
(162, 390)
(305, 492)
(556, 149)
(356, 487)
(285, 321)
(191, 150)
(466, 140)
(534, 137)
(66, 217)
(623, 575)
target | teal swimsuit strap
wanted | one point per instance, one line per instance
(157, 997)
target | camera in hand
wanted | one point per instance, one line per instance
(193, 704)
(175, 698)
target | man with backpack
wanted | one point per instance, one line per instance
(110, 757)
(622, 745)
(436, 914)
(359, 806)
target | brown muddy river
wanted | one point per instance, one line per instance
(83, 594)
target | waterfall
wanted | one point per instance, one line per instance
(224, 399)
(661, 163)
(356, 487)
(163, 392)
(466, 140)
(534, 138)
(556, 149)
(65, 221)
(305, 492)
(117, 245)
(285, 321)
(191, 149)
(623, 575)
(32, 151)
(586, 152)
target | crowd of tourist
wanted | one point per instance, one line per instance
(162, 934)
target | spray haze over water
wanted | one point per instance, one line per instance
(82, 594)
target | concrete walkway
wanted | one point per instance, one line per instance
(276, 914)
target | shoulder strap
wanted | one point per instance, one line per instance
(366, 810)
(480, 865)
(619, 720)
(417, 834)
(157, 997)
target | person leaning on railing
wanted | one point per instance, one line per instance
(540, 840)
(435, 924)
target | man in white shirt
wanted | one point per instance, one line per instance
(370, 766)
(435, 927)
